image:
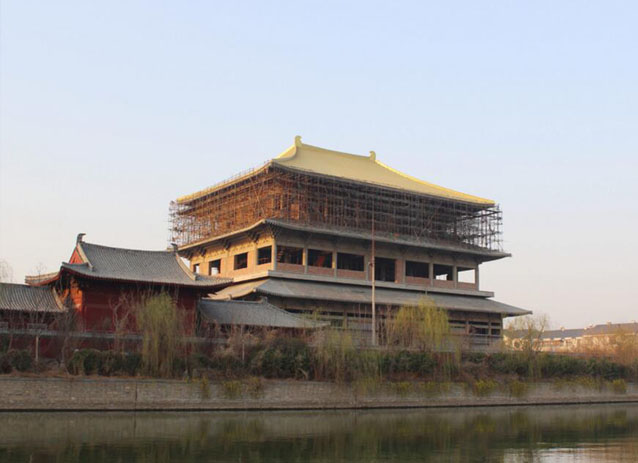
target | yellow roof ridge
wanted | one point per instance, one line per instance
(433, 185)
(348, 168)
(291, 153)
(210, 189)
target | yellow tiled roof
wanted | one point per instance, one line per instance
(365, 169)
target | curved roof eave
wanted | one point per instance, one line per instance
(351, 167)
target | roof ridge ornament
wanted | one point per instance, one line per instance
(78, 245)
(298, 141)
(373, 156)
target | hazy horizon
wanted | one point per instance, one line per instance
(110, 111)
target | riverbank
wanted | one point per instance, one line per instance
(96, 394)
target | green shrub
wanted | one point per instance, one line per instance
(131, 364)
(484, 387)
(583, 382)
(619, 386)
(255, 387)
(434, 388)
(283, 358)
(227, 364)
(364, 364)
(198, 360)
(474, 357)
(402, 388)
(75, 365)
(420, 363)
(111, 363)
(510, 363)
(517, 389)
(231, 389)
(204, 387)
(85, 362)
(551, 365)
(367, 385)
(4, 343)
(180, 366)
(5, 364)
(604, 368)
(20, 360)
(332, 357)
(92, 361)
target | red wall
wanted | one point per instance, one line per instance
(101, 304)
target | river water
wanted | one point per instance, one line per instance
(597, 433)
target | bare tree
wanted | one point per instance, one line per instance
(6, 272)
(525, 333)
(123, 317)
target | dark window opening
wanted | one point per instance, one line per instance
(479, 330)
(264, 255)
(417, 269)
(466, 274)
(318, 258)
(384, 269)
(347, 261)
(443, 272)
(195, 268)
(288, 255)
(215, 267)
(241, 260)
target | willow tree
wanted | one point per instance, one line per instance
(419, 326)
(160, 324)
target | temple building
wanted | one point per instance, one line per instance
(321, 232)
(103, 284)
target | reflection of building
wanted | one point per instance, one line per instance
(301, 230)
(595, 338)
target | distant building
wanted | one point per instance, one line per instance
(595, 338)
(312, 229)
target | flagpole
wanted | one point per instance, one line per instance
(373, 273)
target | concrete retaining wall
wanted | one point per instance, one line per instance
(138, 394)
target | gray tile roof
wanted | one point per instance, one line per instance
(362, 294)
(26, 298)
(485, 254)
(160, 267)
(248, 313)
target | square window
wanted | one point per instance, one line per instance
(443, 272)
(347, 261)
(317, 258)
(241, 260)
(384, 269)
(215, 267)
(264, 255)
(417, 269)
(289, 255)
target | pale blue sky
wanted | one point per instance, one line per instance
(108, 110)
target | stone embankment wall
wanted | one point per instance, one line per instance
(139, 394)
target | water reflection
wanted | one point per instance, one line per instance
(572, 433)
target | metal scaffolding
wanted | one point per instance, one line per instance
(275, 192)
